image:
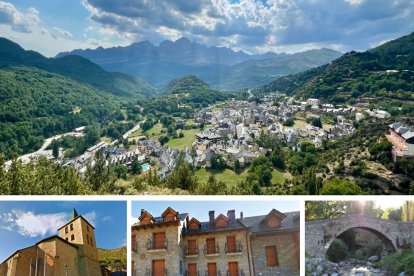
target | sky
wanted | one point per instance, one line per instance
(24, 223)
(199, 209)
(253, 26)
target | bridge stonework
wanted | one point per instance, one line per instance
(395, 235)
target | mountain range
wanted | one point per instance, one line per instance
(77, 68)
(220, 67)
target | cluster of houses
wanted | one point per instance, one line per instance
(232, 130)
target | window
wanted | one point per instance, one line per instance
(233, 269)
(211, 269)
(87, 228)
(71, 227)
(192, 247)
(66, 239)
(211, 246)
(192, 270)
(72, 237)
(87, 238)
(271, 256)
(91, 240)
(134, 244)
(159, 240)
(66, 230)
(158, 267)
(231, 244)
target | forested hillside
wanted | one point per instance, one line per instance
(35, 104)
(385, 72)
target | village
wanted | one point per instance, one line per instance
(228, 130)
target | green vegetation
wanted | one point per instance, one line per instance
(76, 68)
(186, 141)
(35, 104)
(337, 251)
(112, 257)
(398, 262)
(228, 176)
(356, 75)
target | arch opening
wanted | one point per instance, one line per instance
(359, 242)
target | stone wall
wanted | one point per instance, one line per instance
(173, 255)
(320, 234)
(222, 259)
(286, 250)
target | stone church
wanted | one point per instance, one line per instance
(175, 244)
(72, 252)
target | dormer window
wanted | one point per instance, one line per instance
(221, 221)
(274, 219)
(169, 215)
(194, 224)
(146, 218)
(273, 222)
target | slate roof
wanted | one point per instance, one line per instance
(403, 130)
(257, 223)
(160, 220)
(207, 227)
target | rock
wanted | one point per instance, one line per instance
(369, 264)
(402, 274)
(334, 274)
(373, 259)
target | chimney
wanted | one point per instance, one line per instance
(211, 217)
(142, 211)
(231, 214)
(241, 215)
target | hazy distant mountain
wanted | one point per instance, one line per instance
(218, 66)
(75, 67)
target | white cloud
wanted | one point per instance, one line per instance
(62, 32)
(19, 21)
(29, 224)
(107, 218)
(91, 217)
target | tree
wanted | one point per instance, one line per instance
(336, 186)
(163, 140)
(311, 182)
(136, 168)
(261, 170)
(182, 178)
(55, 148)
(316, 122)
(289, 122)
(217, 162)
(125, 143)
(237, 167)
(213, 187)
(408, 211)
(99, 176)
(121, 171)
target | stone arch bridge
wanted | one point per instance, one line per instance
(395, 235)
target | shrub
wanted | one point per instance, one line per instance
(337, 251)
(398, 262)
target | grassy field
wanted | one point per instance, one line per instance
(185, 142)
(232, 178)
(299, 124)
(106, 139)
(228, 176)
(153, 133)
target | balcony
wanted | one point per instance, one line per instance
(156, 272)
(191, 252)
(157, 244)
(217, 273)
(212, 250)
(235, 273)
(234, 249)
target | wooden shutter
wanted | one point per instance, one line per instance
(158, 268)
(192, 269)
(233, 269)
(192, 247)
(231, 244)
(271, 256)
(159, 240)
(134, 243)
(212, 269)
(211, 246)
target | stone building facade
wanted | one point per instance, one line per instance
(68, 253)
(174, 244)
